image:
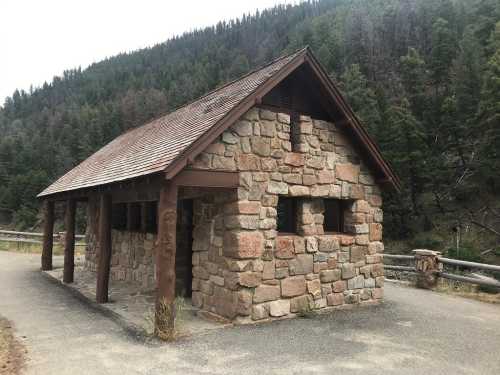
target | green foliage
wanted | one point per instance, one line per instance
(423, 75)
(466, 252)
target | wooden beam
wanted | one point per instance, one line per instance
(165, 261)
(104, 249)
(48, 235)
(69, 242)
(207, 178)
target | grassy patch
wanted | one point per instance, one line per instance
(35, 248)
(11, 351)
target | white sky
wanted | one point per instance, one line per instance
(41, 38)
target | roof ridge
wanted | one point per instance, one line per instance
(159, 117)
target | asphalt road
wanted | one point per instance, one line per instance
(412, 332)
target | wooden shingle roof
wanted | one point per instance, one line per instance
(169, 142)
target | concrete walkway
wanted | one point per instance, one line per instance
(413, 332)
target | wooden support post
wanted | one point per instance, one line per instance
(48, 235)
(165, 261)
(104, 249)
(69, 242)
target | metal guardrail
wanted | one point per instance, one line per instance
(33, 234)
(452, 262)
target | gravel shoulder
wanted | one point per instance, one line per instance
(12, 352)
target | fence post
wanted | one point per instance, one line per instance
(428, 267)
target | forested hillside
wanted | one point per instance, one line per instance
(423, 75)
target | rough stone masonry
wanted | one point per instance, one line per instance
(246, 271)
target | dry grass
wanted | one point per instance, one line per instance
(467, 291)
(12, 353)
(170, 331)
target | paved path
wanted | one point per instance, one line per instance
(413, 332)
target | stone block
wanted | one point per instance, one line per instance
(266, 114)
(244, 304)
(335, 299)
(371, 259)
(284, 247)
(260, 146)
(241, 221)
(277, 187)
(265, 293)
(293, 178)
(314, 288)
(243, 245)
(243, 207)
(226, 302)
(357, 253)
(375, 232)
(298, 191)
(268, 270)
(311, 244)
(229, 138)
(348, 271)
(328, 276)
(347, 172)
(339, 286)
(357, 282)
(249, 279)
(293, 286)
(302, 264)
(294, 159)
(267, 128)
(320, 191)
(260, 312)
(378, 293)
(300, 304)
(279, 308)
(326, 177)
(248, 162)
(369, 283)
(328, 243)
(309, 179)
(375, 248)
(243, 128)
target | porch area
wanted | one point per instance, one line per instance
(131, 304)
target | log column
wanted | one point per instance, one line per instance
(48, 235)
(69, 243)
(165, 261)
(104, 249)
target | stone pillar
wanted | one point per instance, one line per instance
(69, 242)
(48, 235)
(165, 262)
(428, 268)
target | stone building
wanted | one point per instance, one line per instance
(260, 200)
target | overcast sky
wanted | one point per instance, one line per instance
(42, 38)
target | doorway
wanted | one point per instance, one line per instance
(183, 256)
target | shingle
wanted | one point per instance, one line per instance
(154, 146)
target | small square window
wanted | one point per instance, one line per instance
(287, 215)
(334, 215)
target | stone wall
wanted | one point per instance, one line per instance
(132, 253)
(242, 268)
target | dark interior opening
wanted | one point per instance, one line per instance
(183, 256)
(287, 215)
(334, 215)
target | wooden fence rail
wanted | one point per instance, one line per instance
(438, 270)
(8, 233)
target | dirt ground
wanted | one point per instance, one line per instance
(12, 352)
